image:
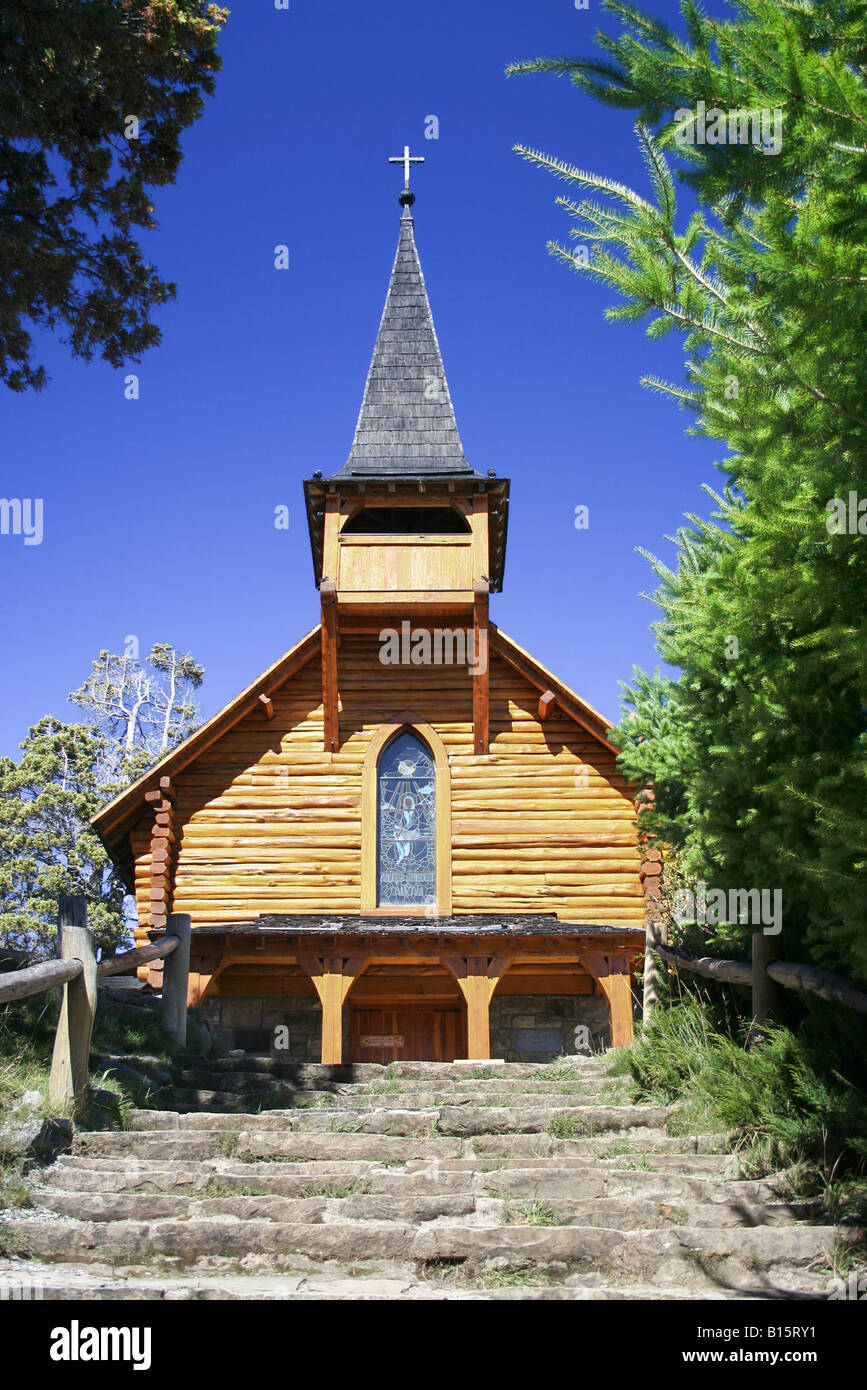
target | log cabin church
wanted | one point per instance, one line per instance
(406, 839)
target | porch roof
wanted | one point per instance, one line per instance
(462, 925)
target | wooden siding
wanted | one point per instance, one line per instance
(268, 823)
(407, 563)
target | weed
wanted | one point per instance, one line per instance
(538, 1214)
(217, 1187)
(567, 1125)
(678, 1216)
(336, 1189)
(512, 1274)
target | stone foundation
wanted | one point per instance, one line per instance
(251, 1021)
(524, 1027)
(541, 1027)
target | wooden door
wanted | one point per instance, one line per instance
(406, 1034)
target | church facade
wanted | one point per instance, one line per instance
(406, 839)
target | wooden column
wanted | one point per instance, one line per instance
(481, 673)
(71, 1055)
(612, 974)
(477, 978)
(203, 970)
(330, 712)
(333, 978)
(176, 973)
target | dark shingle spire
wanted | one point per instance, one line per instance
(406, 426)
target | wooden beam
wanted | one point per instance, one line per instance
(266, 705)
(546, 704)
(330, 712)
(481, 671)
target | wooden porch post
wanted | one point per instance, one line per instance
(477, 978)
(176, 973)
(612, 973)
(333, 978)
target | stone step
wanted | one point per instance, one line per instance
(519, 1178)
(81, 1283)
(485, 1090)
(636, 1148)
(742, 1257)
(584, 1120)
(327, 1200)
(186, 1100)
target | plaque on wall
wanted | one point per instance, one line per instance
(382, 1040)
(539, 1039)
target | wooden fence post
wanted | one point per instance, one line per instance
(71, 1055)
(176, 974)
(656, 934)
(767, 995)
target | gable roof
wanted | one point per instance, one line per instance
(572, 704)
(117, 815)
(406, 426)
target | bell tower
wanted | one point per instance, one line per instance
(406, 529)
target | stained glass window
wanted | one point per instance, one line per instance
(406, 842)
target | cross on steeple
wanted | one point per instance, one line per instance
(406, 159)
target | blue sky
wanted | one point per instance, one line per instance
(159, 512)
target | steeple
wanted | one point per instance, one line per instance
(406, 426)
(407, 521)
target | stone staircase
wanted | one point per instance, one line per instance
(420, 1180)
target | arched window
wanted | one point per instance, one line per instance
(406, 851)
(406, 839)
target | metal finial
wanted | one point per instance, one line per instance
(406, 198)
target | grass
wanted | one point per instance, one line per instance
(229, 1144)
(515, 1275)
(387, 1087)
(567, 1126)
(11, 1243)
(678, 1216)
(615, 1150)
(217, 1187)
(14, 1188)
(783, 1100)
(336, 1189)
(538, 1214)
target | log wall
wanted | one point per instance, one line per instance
(266, 822)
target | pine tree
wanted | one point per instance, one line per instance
(758, 751)
(47, 847)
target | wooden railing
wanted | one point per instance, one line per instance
(765, 975)
(77, 972)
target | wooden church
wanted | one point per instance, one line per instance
(406, 839)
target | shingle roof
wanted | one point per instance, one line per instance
(406, 426)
